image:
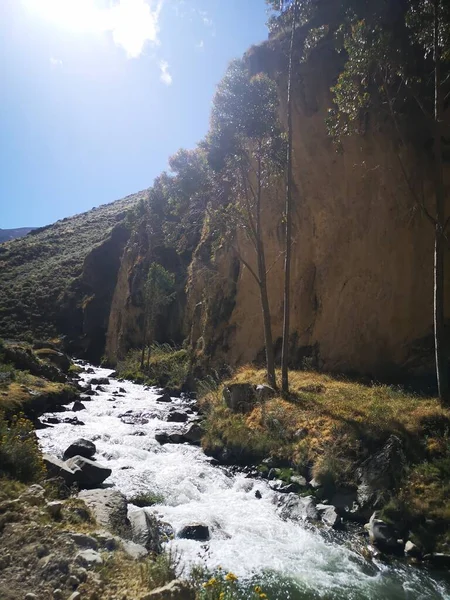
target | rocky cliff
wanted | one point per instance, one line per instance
(362, 268)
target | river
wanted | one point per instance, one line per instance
(288, 559)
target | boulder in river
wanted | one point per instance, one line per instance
(109, 508)
(99, 381)
(329, 515)
(382, 535)
(145, 530)
(77, 406)
(194, 531)
(194, 434)
(164, 398)
(240, 397)
(73, 421)
(177, 416)
(91, 474)
(80, 447)
(297, 508)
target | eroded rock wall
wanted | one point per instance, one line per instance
(362, 267)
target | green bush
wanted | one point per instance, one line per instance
(144, 499)
(156, 572)
(20, 456)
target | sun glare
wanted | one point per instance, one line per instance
(132, 23)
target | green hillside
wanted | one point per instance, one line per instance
(37, 271)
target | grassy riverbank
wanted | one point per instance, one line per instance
(329, 427)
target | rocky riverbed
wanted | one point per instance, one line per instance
(146, 443)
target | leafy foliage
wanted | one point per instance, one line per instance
(20, 456)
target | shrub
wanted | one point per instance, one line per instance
(144, 499)
(156, 572)
(20, 456)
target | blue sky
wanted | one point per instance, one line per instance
(97, 94)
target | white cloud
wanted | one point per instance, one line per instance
(165, 76)
(56, 62)
(132, 23)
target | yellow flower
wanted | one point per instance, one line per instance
(222, 596)
(210, 583)
(263, 596)
(230, 577)
(258, 590)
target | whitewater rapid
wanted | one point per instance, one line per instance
(247, 535)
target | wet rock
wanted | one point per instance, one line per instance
(329, 515)
(90, 371)
(175, 590)
(122, 390)
(164, 398)
(264, 393)
(194, 531)
(109, 508)
(99, 381)
(438, 559)
(88, 558)
(296, 508)
(51, 420)
(73, 421)
(90, 392)
(78, 405)
(58, 468)
(177, 416)
(99, 388)
(412, 550)
(240, 397)
(80, 447)
(144, 528)
(194, 434)
(382, 535)
(381, 473)
(258, 495)
(90, 474)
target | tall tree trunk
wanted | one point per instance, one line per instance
(262, 275)
(144, 341)
(439, 246)
(288, 216)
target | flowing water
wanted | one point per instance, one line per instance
(289, 560)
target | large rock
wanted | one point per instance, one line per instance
(382, 535)
(264, 392)
(381, 473)
(240, 397)
(329, 515)
(80, 447)
(77, 406)
(145, 530)
(177, 416)
(90, 473)
(175, 590)
(194, 531)
(99, 381)
(194, 434)
(109, 508)
(296, 508)
(58, 468)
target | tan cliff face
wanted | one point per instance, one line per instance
(362, 268)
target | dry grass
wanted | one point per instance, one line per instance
(330, 425)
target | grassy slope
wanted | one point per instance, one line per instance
(36, 270)
(332, 425)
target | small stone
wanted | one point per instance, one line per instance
(75, 596)
(54, 508)
(58, 594)
(35, 494)
(81, 574)
(88, 558)
(31, 596)
(411, 549)
(73, 581)
(164, 398)
(84, 541)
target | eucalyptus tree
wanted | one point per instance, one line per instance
(246, 149)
